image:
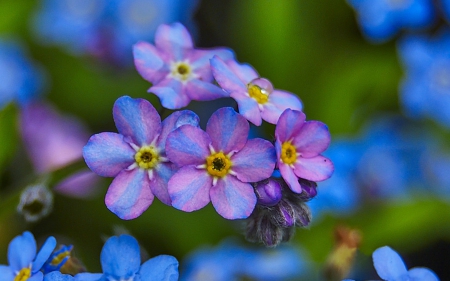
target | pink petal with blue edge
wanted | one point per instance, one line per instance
(188, 145)
(289, 177)
(225, 77)
(189, 189)
(162, 174)
(232, 198)
(129, 194)
(228, 130)
(279, 101)
(248, 107)
(203, 91)
(200, 60)
(289, 124)
(172, 39)
(313, 139)
(174, 121)
(106, 154)
(245, 72)
(148, 62)
(171, 93)
(318, 168)
(137, 119)
(255, 161)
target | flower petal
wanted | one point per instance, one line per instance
(162, 267)
(173, 39)
(38, 276)
(232, 198)
(129, 194)
(388, 264)
(171, 93)
(244, 71)
(289, 177)
(44, 253)
(21, 251)
(228, 130)
(420, 273)
(255, 161)
(188, 145)
(312, 139)
(289, 124)
(162, 174)
(58, 276)
(317, 168)
(120, 257)
(148, 62)
(137, 119)
(189, 189)
(248, 107)
(6, 273)
(225, 76)
(279, 101)
(175, 120)
(200, 61)
(203, 91)
(106, 154)
(82, 184)
(85, 276)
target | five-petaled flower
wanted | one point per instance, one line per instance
(135, 156)
(24, 263)
(255, 96)
(178, 72)
(218, 165)
(298, 145)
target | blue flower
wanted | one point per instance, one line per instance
(24, 263)
(380, 20)
(106, 29)
(121, 260)
(57, 259)
(22, 79)
(390, 267)
(425, 89)
(58, 276)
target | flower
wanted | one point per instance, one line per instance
(256, 97)
(390, 267)
(22, 79)
(218, 165)
(135, 156)
(178, 72)
(298, 145)
(106, 29)
(36, 202)
(424, 91)
(24, 263)
(53, 141)
(120, 259)
(380, 20)
(58, 276)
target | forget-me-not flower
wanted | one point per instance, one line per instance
(178, 72)
(218, 165)
(256, 98)
(135, 156)
(24, 262)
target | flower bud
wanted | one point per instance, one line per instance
(36, 202)
(268, 192)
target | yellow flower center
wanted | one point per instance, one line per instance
(58, 259)
(147, 157)
(218, 164)
(288, 153)
(181, 70)
(23, 274)
(260, 95)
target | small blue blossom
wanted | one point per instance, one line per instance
(24, 263)
(57, 259)
(120, 259)
(21, 79)
(380, 20)
(425, 89)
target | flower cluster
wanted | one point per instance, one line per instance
(120, 259)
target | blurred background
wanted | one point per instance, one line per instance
(392, 178)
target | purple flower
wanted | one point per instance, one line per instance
(24, 263)
(298, 145)
(53, 141)
(256, 97)
(390, 267)
(135, 156)
(178, 72)
(218, 165)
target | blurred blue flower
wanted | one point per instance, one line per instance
(230, 261)
(22, 80)
(57, 259)
(121, 260)
(24, 263)
(390, 267)
(425, 89)
(106, 29)
(380, 20)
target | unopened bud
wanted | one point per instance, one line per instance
(268, 192)
(36, 202)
